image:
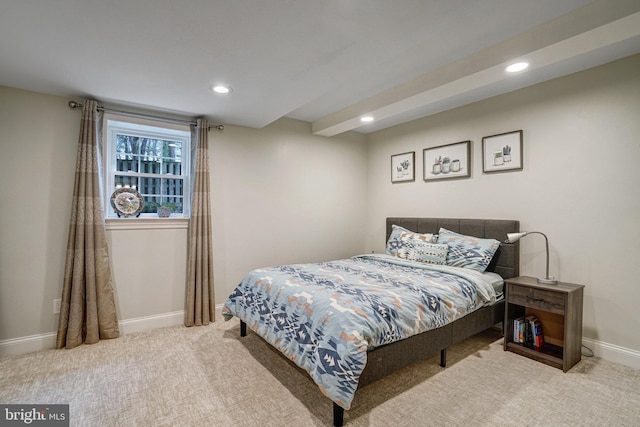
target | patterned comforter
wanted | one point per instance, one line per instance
(326, 316)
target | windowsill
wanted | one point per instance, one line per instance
(146, 223)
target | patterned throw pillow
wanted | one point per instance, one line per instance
(414, 248)
(468, 251)
(395, 242)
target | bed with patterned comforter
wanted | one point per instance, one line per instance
(326, 316)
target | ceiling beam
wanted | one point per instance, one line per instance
(553, 42)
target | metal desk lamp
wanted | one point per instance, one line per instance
(514, 237)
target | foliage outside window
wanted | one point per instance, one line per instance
(154, 161)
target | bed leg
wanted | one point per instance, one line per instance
(243, 329)
(443, 357)
(338, 415)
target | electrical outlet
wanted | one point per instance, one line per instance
(56, 306)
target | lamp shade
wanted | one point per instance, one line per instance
(514, 237)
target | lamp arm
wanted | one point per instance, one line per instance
(546, 242)
(514, 237)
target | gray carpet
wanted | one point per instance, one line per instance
(209, 376)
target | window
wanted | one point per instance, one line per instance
(154, 161)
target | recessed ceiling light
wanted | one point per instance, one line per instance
(518, 66)
(221, 89)
(366, 119)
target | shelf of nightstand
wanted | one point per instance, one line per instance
(549, 354)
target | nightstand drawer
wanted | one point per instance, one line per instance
(542, 299)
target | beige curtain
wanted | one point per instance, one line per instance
(87, 312)
(200, 304)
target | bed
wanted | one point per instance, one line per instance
(311, 313)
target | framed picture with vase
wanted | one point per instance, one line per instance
(450, 161)
(502, 152)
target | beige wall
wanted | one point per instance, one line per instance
(580, 184)
(149, 269)
(38, 136)
(278, 193)
(282, 195)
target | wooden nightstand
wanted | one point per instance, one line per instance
(559, 309)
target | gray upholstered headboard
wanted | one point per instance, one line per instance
(506, 261)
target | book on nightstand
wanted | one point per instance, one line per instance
(528, 331)
(536, 328)
(518, 330)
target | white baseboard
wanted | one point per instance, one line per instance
(146, 323)
(46, 341)
(31, 343)
(613, 353)
(27, 344)
(141, 324)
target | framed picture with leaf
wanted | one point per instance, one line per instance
(403, 167)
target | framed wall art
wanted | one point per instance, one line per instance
(403, 167)
(448, 161)
(502, 152)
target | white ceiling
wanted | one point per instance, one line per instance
(326, 62)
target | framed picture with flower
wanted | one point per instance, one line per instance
(450, 161)
(403, 167)
(502, 152)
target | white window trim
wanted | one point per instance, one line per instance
(112, 125)
(148, 223)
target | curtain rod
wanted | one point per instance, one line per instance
(76, 105)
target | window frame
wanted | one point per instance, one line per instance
(113, 125)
